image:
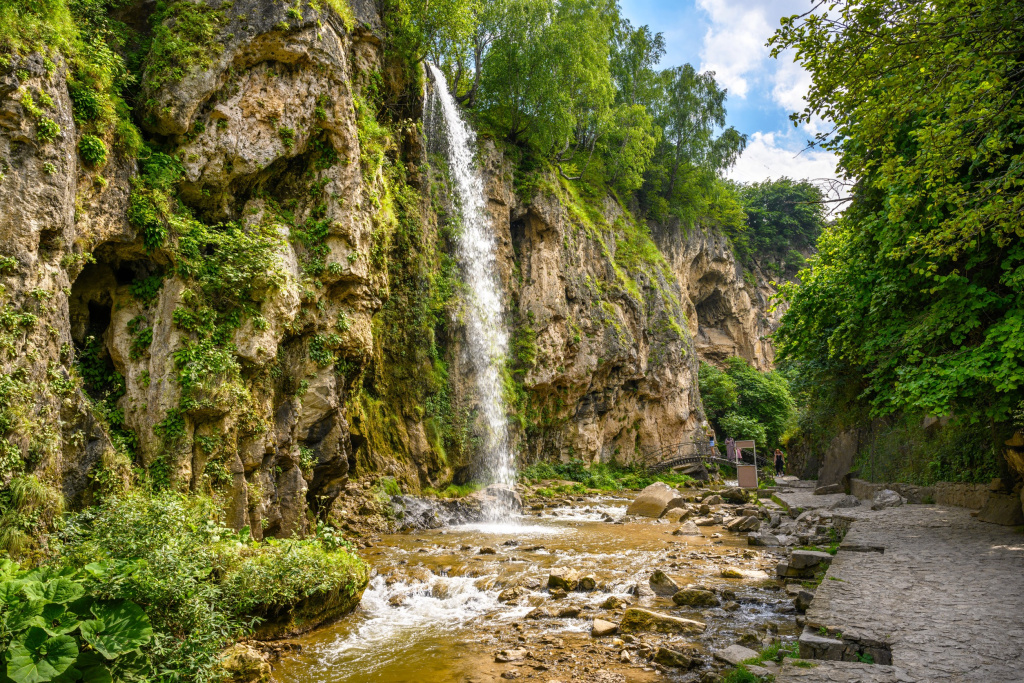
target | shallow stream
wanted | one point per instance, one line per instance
(432, 612)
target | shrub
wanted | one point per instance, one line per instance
(92, 150)
(200, 584)
(53, 630)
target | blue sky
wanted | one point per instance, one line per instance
(728, 37)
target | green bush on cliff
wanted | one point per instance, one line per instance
(201, 585)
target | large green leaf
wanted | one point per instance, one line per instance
(94, 669)
(37, 658)
(132, 667)
(59, 590)
(120, 626)
(11, 592)
(24, 614)
(57, 620)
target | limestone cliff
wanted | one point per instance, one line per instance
(261, 302)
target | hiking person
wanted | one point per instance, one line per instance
(779, 464)
(730, 448)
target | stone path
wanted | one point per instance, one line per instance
(941, 590)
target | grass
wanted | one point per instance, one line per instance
(454, 490)
(599, 476)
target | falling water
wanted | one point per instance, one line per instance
(485, 326)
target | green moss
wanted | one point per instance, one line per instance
(185, 39)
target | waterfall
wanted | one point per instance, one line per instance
(486, 333)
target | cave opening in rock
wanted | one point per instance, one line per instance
(713, 310)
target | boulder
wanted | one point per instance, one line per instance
(731, 573)
(244, 664)
(636, 620)
(602, 628)
(587, 583)
(807, 559)
(563, 577)
(845, 502)
(687, 529)
(1004, 509)
(735, 654)
(887, 498)
(662, 584)
(674, 658)
(708, 521)
(695, 597)
(655, 500)
(713, 500)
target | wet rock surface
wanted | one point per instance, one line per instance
(566, 596)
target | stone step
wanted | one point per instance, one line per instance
(841, 672)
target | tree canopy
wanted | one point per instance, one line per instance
(917, 296)
(575, 85)
(784, 218)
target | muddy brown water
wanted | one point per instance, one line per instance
(431, 613)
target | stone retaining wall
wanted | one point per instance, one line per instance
(973, 496)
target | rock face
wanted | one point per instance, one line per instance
(655, 500)
(263, 305)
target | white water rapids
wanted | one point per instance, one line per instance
(486, 334)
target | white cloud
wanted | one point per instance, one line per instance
(735, 43)
(770, 155)
(791, 82)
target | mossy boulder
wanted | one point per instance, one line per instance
(635, 620)
(695, 597)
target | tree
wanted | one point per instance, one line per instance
(918, 293)
(745, 403)
(782, 216)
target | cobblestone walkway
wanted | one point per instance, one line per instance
(946, 595)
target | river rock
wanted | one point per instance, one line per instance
(636, 620)
(512, 594)
(734, 494)
(587, 583)
(806, 559)
(708, 521)
(662, 584)
(602, 628)
(513, 655)
(1002, 509)
(713, 500)
(803, 600)
(674, 658)
(244, 664)
(886, 498)
(563, 577)
(568, 612)
(731, 573)
(763, 539)
(676, 515)
(687, 529)
(695, 597)
(614, 602)
(655, 500)
(744, 524)
(735, 654)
